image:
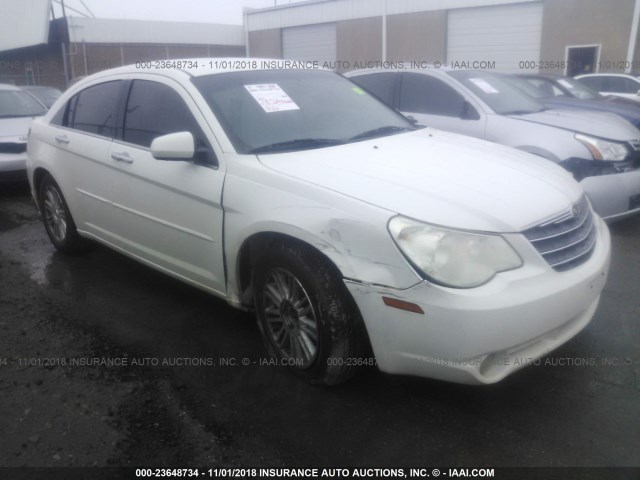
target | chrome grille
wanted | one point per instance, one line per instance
(567, 241)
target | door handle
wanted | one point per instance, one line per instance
(62, 139)
(122, 157)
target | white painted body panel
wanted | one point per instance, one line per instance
(192, 221)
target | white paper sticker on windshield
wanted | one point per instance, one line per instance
(483, 85)
(271, 97)
(565, 84)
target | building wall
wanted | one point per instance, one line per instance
(417, 36)
(359, 41)
(266, 43)
(86, 59)
(585, 22)
(40, 65)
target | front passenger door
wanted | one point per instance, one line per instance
(168, 213)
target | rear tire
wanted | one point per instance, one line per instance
(57, 218)
(307, 317)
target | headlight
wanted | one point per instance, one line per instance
(603, 149)
(453, 258)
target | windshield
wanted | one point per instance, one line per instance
(46, 95)
(577, 89)
(270, 111)
(528, 86)
(496, 91)
(14, 103)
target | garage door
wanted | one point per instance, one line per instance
(505, 35)
(311, 42)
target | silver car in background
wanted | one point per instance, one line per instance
(601, 150)
(17, 109)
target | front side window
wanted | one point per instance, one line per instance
(95, 109)
(154, 109)
(14, 103)
(268, 111)
(424, 94)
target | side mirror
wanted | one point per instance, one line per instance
(174, 146)
(468, 112)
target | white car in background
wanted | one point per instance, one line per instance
(601, 150)
(17, 110)
(347, 229)
(616, 84)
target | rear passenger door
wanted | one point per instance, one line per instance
(436, 104)
(83, 131)
(168, 213)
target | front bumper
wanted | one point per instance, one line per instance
(614, 196)
(13, 167)
(481, 335)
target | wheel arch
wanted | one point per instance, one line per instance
(261, 241)
(38, 175)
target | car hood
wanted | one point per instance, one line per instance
(440, 178)
(598, 124)
(629, 112)
(15, 128)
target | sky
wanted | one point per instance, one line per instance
(207, 11)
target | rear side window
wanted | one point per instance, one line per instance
(94, 110)
(154, 109)
(595, 83)
(382, 85)
(621, 85)
(423, 94)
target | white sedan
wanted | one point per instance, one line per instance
(357, 238)
(17, 109)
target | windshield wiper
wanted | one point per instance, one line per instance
(525, 112)
(297, 144)
(380, 132)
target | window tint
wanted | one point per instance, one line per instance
(380, 84)
(621, 85)
(595, 83)
(153, 110)
(424, 94)
(95, 109)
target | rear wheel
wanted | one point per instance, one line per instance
(57, 219)
(306, 316)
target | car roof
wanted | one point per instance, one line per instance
(197, 67)
(625, 75)
(6, 86)
(441, 70)
(550, 76)
(182, 68)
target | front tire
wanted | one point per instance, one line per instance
(307, 317)
(57, 218)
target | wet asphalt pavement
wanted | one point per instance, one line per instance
(177, 399)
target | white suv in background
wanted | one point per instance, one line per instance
(347, 229)
(617, 84)
(601, 150)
